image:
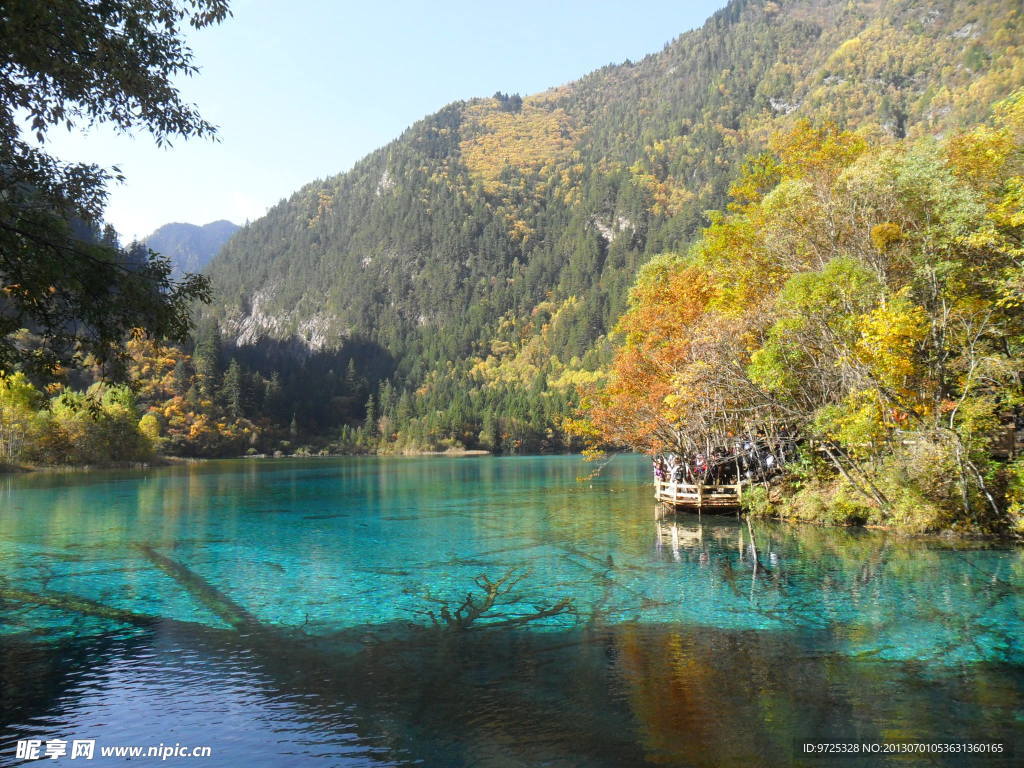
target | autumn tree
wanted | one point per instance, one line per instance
(863, 294)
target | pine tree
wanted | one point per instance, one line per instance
(273, 398)
(181, 378)
(207, 362)
(232, 392)
(371, 416)
(403, 411)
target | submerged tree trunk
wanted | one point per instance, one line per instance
(202, 591)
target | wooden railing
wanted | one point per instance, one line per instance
(698, 495)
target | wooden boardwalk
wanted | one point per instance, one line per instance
(687, 496)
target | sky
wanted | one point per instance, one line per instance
(302, 90)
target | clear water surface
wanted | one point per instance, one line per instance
(294, 613)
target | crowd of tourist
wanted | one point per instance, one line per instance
(743, 460)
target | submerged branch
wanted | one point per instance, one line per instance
(562, 606)
(74, 604)
(476, 607)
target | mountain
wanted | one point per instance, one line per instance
(189, 247)
(484, 255)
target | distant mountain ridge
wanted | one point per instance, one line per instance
(190, 247)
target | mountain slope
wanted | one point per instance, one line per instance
(498, 220)
(189, 247)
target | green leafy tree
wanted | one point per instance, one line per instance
(19, 401)
(65, 64)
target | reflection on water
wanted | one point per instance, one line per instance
(291, 598)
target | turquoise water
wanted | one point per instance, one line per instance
(292, 612)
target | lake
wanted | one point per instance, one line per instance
(295, 612)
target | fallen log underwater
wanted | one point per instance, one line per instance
(80, 605)
(222, 606)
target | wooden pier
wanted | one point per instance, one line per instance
(685, 495)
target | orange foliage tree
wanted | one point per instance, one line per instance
(859, 291)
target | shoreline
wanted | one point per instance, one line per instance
(167, 461)
(21, 469)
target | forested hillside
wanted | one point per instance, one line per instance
(189, 246)
(457, 285)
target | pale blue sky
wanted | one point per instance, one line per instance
(302, 90)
